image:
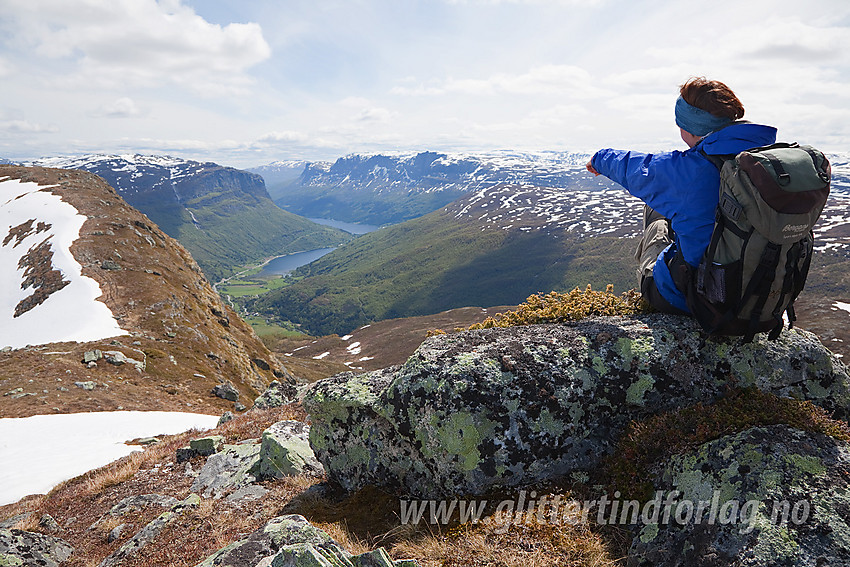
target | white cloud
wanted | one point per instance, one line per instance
(123, 107)
(138, 42)
(27, 127)
(540, 80)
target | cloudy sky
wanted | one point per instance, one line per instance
(246, 82)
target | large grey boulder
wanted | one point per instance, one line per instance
(511, 406)
(766, 496)
(18, 547)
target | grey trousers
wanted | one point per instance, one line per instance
(657, 235)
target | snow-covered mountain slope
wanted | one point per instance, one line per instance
(388, 188)
(279, 173)
(44, 297)
(83, 272)
(224, 216)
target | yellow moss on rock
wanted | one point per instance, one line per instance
(556, 307)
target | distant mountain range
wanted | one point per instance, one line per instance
(389, 188)
(385, 189)
(501, 242)
(279, 174)
(223, 216)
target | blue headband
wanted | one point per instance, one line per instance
(696, 120)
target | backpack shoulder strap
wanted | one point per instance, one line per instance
(718, 160)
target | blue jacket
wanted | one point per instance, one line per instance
(684, 187)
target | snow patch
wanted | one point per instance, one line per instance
(70, 314)
(41, 451)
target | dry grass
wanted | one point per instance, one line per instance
(529, 544)
(369, 518)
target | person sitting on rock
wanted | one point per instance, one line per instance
(681, 188)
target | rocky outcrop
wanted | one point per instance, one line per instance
(290, 541)
(18, 547)
(472, 411)
(232, 470)
(766, 496)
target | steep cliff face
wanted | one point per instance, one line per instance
(172, 339)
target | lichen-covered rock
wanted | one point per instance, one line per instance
(766, 496)
(292, 541)
(226, 391)
(510, 406)
(18, 547)
(206, 446)
(276, 395)
(285, 451)
(231, 468)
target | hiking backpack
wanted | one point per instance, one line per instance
(761, 248)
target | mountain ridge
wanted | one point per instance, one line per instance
(224, 216)
(178, 339)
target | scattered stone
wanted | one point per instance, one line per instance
(226, 392)
(239, 406)
(109, 265)
(48, 523)
(14, 520)
(116, 532)
(147, 441)
(285, 451)
(18, 547)
(13, 392)
(277, 394)
(135, 503)
(92, 356)
(207, 446)
(87, 386)
(455, 419)
(6, 349)
(225, 417)
(248, 493)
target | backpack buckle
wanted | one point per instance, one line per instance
(770, 255)
(730, 207)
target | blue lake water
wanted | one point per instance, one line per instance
(353, 228)
(282, 265)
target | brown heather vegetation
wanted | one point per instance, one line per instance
(655, 440)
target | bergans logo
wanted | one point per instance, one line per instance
(795, 227)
